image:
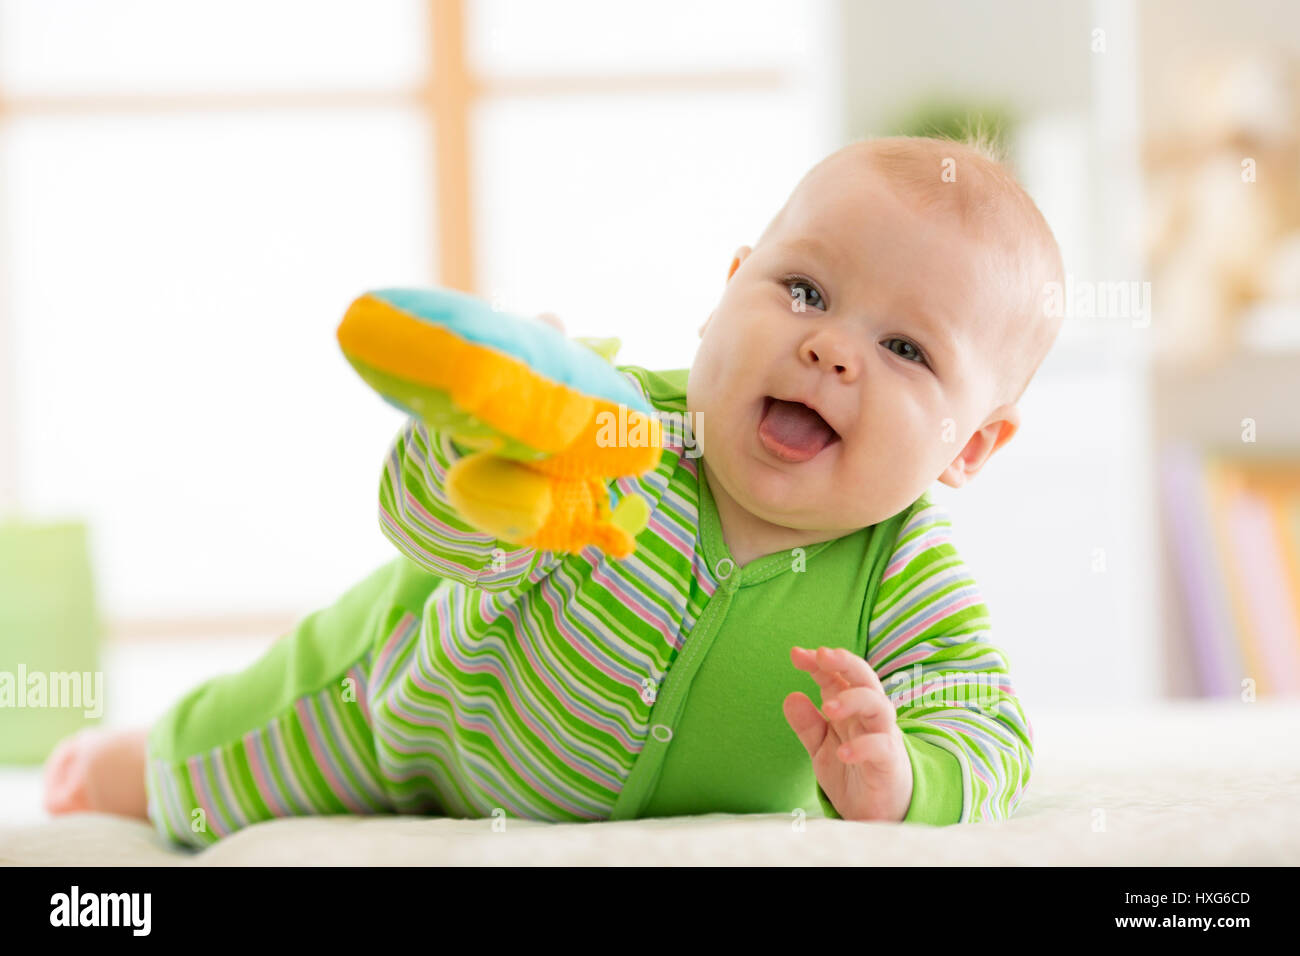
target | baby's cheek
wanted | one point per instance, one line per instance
(891, 463)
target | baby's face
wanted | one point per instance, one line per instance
(897, 347)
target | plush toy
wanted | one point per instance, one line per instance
(547, 420)
(1223, 206)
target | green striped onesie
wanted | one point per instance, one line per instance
(469, 677)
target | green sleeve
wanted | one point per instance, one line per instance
(931, 644)
(416, 515)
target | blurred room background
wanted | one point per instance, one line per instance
(192, 193)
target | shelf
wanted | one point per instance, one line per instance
(1205, 407)
(1200, 411)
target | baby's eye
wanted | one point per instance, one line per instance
(803, 292)
(912, 353)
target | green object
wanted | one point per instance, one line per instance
(605, 348)
(51, 684)
(437, 410)
(474, 678)
(631, 515)
(950, 118)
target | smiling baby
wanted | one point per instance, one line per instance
(876, 338)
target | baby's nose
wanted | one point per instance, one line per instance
(826, 356)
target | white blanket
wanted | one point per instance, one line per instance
(1188, 784)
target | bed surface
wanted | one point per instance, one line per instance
(1196, 783)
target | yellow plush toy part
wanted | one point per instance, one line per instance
(548, 420)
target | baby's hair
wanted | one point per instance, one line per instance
(969, 177)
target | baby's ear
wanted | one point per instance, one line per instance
(997, 430)
(741, 255)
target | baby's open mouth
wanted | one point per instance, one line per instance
(792, 431)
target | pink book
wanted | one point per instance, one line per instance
(1285, 504)
(1224, 479)
(1267, 604)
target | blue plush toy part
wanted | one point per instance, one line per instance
(542, 348)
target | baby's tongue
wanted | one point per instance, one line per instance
(794, 432)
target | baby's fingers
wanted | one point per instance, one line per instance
(860, 710)
(834, 667)
(877, 751)
(806, 660)
(806, 721)
(551, 319)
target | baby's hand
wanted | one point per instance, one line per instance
(551, 319)
(858, 754)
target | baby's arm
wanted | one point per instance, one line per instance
(416, 516)
(967, 737)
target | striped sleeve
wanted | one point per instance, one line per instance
(968, 739)
(416, 516)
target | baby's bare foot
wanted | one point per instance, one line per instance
(99, 770)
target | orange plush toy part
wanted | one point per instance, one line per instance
(549, 420)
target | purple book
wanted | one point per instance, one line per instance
(1200, 570)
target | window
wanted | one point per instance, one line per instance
(190, 196)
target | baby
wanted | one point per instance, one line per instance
(877, 337)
